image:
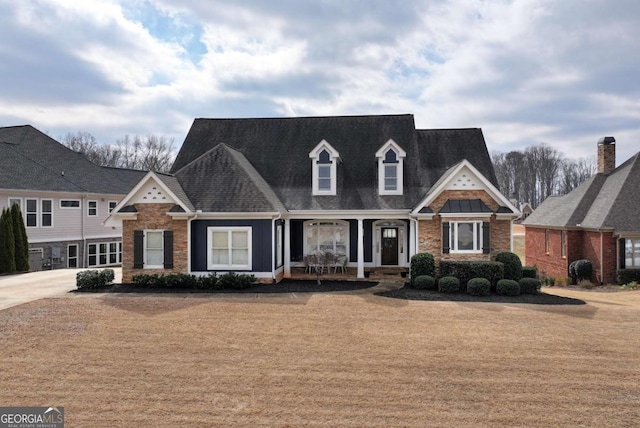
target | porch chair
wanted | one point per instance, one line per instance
(340, 263)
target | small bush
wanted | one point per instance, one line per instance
(424, 282)
(422, 264)
(209, 282)
(479, 287)
(626, 276)
(233, 281)
(144, 280)
(512, 265)
(630, 286)
(464, 271)
(529, 272)
(180, 280)
(584, 269)
(93, 279)
(530, 286)
(449, 284)
(508, 287)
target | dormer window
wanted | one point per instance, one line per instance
(324, 160)
(390, 169)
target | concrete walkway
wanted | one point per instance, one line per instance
(22, 288)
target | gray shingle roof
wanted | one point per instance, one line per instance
(605, 201)
(277, 150)
(31, 160)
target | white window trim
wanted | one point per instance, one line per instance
(229, 230)
(70, 208)
(13, 198)
(115, 204)
(400, 155)
(477, 237)
(89, 207)
(42, 213)
(279, 242)
(144, 249)
(334, 156)
(26, 213)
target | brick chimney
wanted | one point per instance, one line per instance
(606, 155)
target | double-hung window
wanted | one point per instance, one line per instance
(466, 237)
(32, 212)
(390, 168)
(632, 253)
(229, 248)
(153, 249)
(92, 208)
(324, 160)
(46, 213)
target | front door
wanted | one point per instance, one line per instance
(389, 255)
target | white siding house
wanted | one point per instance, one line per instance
(64, 199)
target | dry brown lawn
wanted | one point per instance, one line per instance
(349, 359)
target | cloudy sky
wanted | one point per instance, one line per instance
(564, 72)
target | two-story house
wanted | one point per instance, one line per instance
(64, 199)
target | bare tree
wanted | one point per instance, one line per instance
(150, 153)
(539, 171)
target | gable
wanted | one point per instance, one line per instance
(465, 179)
(151, 192)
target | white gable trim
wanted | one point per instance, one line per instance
(151, 176)
(452, 175)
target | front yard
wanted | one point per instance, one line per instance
(335, 359)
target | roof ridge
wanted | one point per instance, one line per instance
(306, 117)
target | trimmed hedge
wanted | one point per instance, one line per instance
(93, 279)
(512, 265)
(464, 271)
(228, 281)
(424, 282)
(584, 270)
(479, 287)
(626, 276)
(422, 264)
(448, 284)
(508, 287)
(233, 281)
(529, 272)
(530, 286)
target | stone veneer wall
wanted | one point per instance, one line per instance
(430, 231)
(154, 216)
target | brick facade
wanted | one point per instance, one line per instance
(580, 245)
(430, 231)
(154, 216)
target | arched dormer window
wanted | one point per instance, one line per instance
(390, 168)
(324, 160)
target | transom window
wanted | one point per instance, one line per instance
(69, 203)
(229, 248)
(390, 168)
(466, 237)
(323, 236)
(632, 253)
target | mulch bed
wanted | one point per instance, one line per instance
(433, 295)
(285, 286)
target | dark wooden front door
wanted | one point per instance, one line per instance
(389, 254)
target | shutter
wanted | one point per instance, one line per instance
(486, 238)
(621, 254)
(445, 238)
(138, 249)
(168, 249)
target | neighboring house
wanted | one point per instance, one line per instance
(64, 199)
(597, 221)
(258, 195)
(525, 211)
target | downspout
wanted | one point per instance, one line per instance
(85, 256)
(601, 258)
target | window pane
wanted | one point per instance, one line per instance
(69, 204)
(312, 239)
(93, 249)
(155, 257)
(46, 205)
(390, 156)
(92, 260)
(220, 239)
(73, 251)
(73, 262)
(324, 157)
(31, 220)
(465, 236)
(154, 240)
(324, 172)
(390, 171)
(220, 257)
(239, 240)
(240, 257)
(324, 184)
(32, 205)
(46, 220)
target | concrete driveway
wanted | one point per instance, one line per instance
(22, 288)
